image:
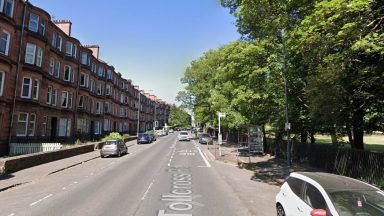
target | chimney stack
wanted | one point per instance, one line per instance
(95, 50)
(64, 25)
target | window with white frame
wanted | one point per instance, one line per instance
(93, 68)
(64, 99)
(93, 87)
(54, 39)
(67, 73)
(33, 22)
(8, 7)
(99, 89)
(35, 90)
(74, 52)
(39, 57)
(44, 126)
(106, 124)
(43, 23)
(57, 69)
(81, 126)
(64, 127)
(22, 124)
(68, 48)
(84, 79)
(59, 43)
(81, 101)
(51, 70)
(32, 124)
(30, 53)
(54, 97)
(101, 71)
(49, 95)
(109, 74)
(85, 60)
(70, 98)
(26, 88)
(4, 43)
(97, 127)
(2, 80)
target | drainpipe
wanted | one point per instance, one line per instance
(17, 74)
(76, 96)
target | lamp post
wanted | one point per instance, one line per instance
(287, 124)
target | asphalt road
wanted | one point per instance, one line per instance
(168, 178)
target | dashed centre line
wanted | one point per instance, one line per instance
(46, 197)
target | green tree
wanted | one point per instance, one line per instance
(178, 117)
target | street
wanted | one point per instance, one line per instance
(167, 178)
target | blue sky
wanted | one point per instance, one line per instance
(151, 42)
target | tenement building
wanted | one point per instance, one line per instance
(54, 89)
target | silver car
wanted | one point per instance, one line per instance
(115, 147)
(205, 139)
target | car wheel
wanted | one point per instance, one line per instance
(280, 210)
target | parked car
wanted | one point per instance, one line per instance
(205, 139)
(183, 135)
(324, 194)
(170, 131)
(144, 138)
(114, 147)
(153, 136)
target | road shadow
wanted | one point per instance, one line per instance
(6, 176)
(273, 171)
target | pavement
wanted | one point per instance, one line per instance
(265, 168)
(35, 173)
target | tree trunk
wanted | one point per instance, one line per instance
(358, 129)
(313, 139)
(265, 143)
(349, 132)
(304, 137)
(333, 137)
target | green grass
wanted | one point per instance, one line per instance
(373, 142)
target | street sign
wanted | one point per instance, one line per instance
(287, 126)
(221, 115)
(156, 124)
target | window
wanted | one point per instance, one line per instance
(32, 124)
(93, 87)
(4, 43)
(52, 66)
(49, 95)
(70, 100)
(74, 53)
(26, 88)
(81, 101)
(57, 69)
(33, 22)
(98, 108)
(30, 53)
(69, 48)
(39, 58)
(67, 73)
(94, 68)
(44, 126)
(2, 78)
(35, 92)
(59, 43)
(99, 89)
(109, 74)
(295, 185)
(85, 59)
(312, 196)
(21, 129)
(54, 97)
(64, 127)
(97, 127)
(101, 71)
(84, 80)
(8, 7)
(42, 27)
(54, 39)
(81, 125)
(64, 99)
(108, 90)
(106, 124)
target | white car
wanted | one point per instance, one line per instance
(183, 135)
(324, 194)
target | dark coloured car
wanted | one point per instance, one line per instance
(144, 138)
(205, 139)
(115, 147)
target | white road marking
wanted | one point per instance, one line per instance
(46, 197)
(205, 159)
(146, 192)
(12, 214)
(64, 188)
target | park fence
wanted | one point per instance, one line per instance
(363, 165)
(29, 148)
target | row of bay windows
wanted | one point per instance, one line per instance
(26, 126)
(7, 7)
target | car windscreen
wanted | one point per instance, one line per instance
(111, 143)
(205, 135)
(183, 133)
(358, 202)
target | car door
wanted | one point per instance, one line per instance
(312, 199)
(292, 196)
